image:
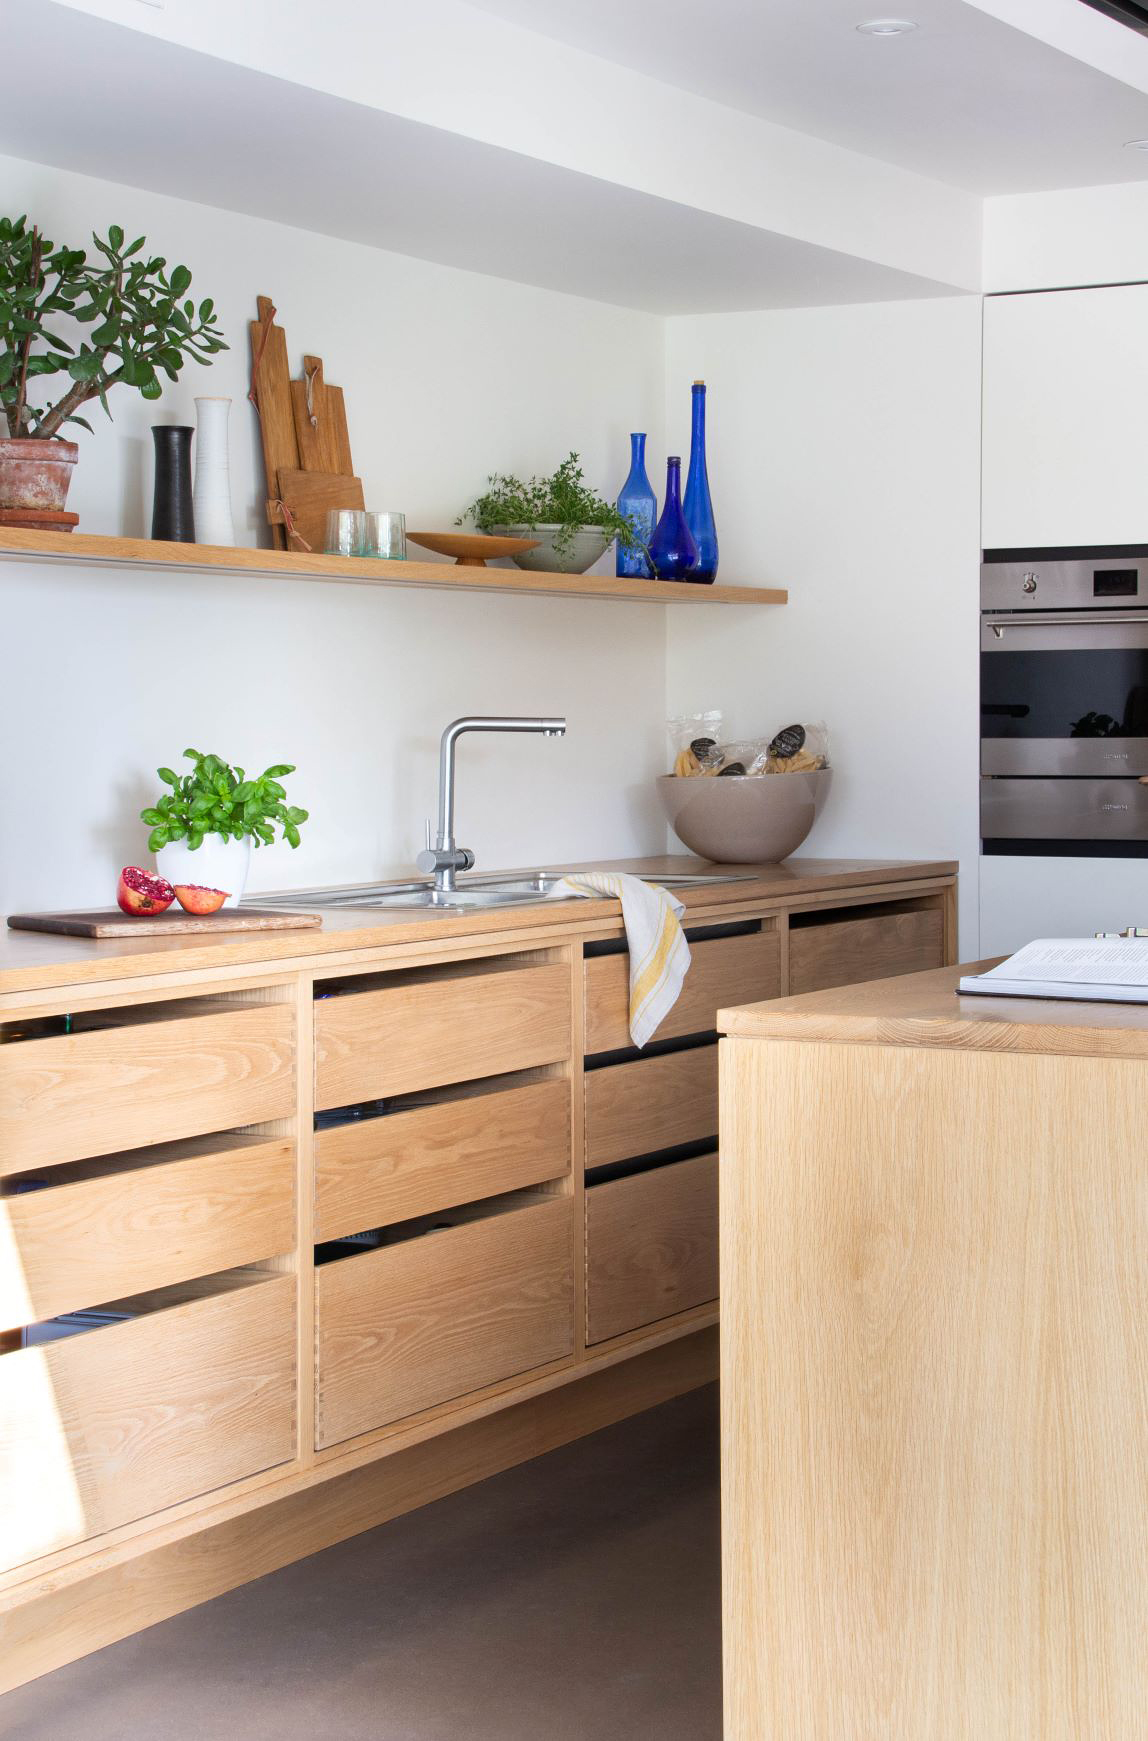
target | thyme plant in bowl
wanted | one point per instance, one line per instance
(118, 318)
(572, 522)
(203, 829)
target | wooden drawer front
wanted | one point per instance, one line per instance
(117, 1423)
(411, 1163)
(412, 1325)
(653, 1103)
(651, 1246)
(423, 1034)
(847, 951)
(214, 1204)
(144, 1081)
(723, 972)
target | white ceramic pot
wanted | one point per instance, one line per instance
(216, 864)
(212, 497)
(580, 553)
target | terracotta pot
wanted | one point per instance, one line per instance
(34, 475)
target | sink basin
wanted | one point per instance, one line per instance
(509, 890)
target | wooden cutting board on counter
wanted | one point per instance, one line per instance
(113, 923)
(309, 497)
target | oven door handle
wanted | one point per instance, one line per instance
(1065, 620)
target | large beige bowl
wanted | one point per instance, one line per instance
(744, 819)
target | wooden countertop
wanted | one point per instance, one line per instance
(35, 961)
(922, 1009)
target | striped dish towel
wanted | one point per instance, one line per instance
(659, 953)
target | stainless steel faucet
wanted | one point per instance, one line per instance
(445, 858)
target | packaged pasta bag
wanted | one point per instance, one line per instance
(798, 748)
(694, 743)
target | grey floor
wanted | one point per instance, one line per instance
(573, 1599)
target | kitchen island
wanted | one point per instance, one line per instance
(299, 1230)
(934, 1280)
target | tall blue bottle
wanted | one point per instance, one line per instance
(639, 504)
(699, 509)
(672, 549)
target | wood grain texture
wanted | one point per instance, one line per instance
(150, 1079)
(845, 951)
(324, 445)
(935, 1395)
(417, 1033)
(271, 384)
(410, 1163)
(651, 1246)
(412, 1325)
(80, 547)
(653, 1103)
(310, 497)
(723, 971)
(119, 1422)
(175, 923)
(57, 1620)
(118, 1227)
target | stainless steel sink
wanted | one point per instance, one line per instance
(510, 890)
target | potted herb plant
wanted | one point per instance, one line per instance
(203, 829)
(574, 525)
(129, 327)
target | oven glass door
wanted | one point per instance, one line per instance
(1064, 697)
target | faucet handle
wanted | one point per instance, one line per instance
(427, 835)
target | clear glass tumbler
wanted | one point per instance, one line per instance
(346, 531)
(385, 535)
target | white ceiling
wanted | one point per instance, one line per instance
(964, 99)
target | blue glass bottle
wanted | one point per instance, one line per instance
(699, 509)
(672, 549)
(639, 504)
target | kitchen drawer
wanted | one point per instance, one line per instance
(724, 971)
(464, 1147)
(130, 1222)
(651, 1246)
(653, 1103)
(411, 1325)
(117, 1423)
(869, 944)
(149, 1074)
(426, 1027)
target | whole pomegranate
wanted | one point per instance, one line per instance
(142, 894)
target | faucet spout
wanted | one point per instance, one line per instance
(446, 857)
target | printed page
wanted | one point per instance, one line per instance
(1078, 961)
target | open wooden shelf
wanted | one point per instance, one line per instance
(87, 547)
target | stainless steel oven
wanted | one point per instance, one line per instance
(1064, 701)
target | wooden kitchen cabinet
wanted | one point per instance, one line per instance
(651, 1246)
(847, 948)
(653, 1103)
(743, 968)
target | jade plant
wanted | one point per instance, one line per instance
(562, 500)
(131, 321)
(218, 799)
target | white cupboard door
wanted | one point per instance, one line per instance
(1066, 418)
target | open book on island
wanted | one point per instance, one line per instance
(1096, 969)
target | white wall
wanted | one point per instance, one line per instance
(448, 375)
(845, 458)
(1075, 236)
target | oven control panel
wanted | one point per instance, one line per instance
(1043, 580)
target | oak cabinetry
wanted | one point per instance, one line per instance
(406, 1031)
(651, 1246)
(652, 1103)
(113, 1424)
(724, 971)
(874, 943)
(482, 1297)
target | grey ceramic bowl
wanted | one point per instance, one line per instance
(744, 819)
(581, 553)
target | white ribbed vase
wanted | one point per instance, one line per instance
(213, 522)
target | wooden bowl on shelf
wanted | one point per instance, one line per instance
(470, 549)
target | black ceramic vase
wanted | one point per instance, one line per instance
(172, 516)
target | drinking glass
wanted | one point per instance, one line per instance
(346, 529)
(385, 536)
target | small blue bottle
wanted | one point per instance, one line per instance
(698, 506)
(639, 504)
(672, 549)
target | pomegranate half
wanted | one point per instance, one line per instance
(142, 894)
(194, 898)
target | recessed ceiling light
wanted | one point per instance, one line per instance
(1136, 145)
(886, 27)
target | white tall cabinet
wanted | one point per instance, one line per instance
(1065, 450)
(1065, 462)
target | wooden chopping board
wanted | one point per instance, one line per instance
(309, 496)
(320, 422)
(271, 385)
(113, 923)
